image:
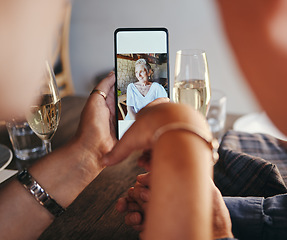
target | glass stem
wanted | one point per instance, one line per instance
(48, 146)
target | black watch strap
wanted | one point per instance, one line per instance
(39, 193)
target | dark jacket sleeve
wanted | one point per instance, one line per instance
(258, 218)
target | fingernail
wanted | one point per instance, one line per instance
(131, 192)
(111, 73)
(121, 205)
(134, 217)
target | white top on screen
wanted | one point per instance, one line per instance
(141, 42)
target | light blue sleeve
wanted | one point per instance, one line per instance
(160, 91)
(130, 96)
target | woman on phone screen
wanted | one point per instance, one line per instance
(144, 91)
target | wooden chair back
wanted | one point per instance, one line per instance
(60, 57)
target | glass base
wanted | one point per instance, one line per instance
(26, 154)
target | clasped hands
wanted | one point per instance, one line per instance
(135, 204)
(148, 121)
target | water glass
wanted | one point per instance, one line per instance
(216, 116)
(26, 144)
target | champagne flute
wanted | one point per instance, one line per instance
(191, 84)
(44, 117)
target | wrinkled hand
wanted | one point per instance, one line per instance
(96, 131)
(135, 204)
(138, 197)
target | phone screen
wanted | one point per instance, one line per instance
(142, 71)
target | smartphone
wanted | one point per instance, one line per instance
(141, 69)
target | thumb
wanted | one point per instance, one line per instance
(120, 152)
(144, 179)
(129, 143)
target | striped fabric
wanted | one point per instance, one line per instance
(251, 165)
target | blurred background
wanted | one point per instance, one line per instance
(191, 24)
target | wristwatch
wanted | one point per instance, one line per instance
(39, 193)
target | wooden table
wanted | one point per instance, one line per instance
(92, 215)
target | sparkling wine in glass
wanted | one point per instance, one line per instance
(44, 116)
(191, 84)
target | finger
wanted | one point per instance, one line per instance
(140, 194)
(133, 218)
(122, 205)
(144, 179)
(134, 207)
(107, 83)
(106, 86)
(120, 152)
